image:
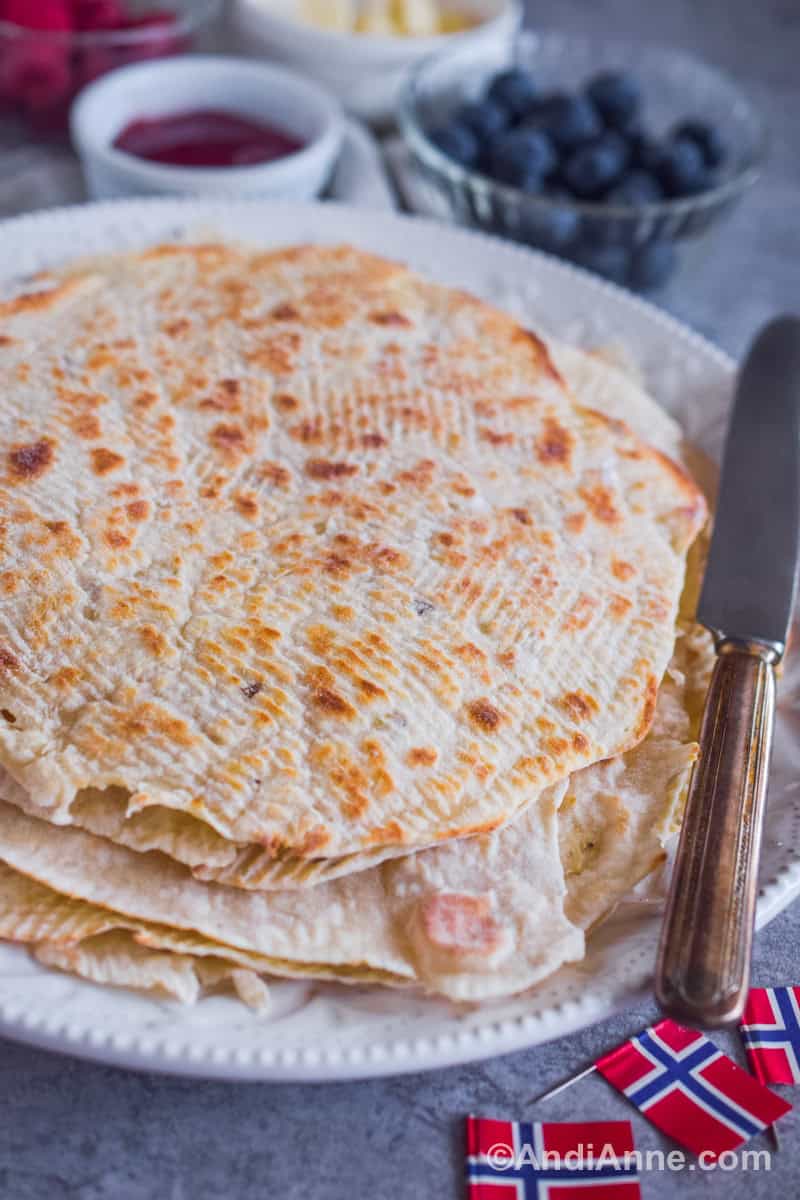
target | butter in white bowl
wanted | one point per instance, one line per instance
(388, 18)
(364, 50)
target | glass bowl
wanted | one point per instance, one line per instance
(637, 246)
(41, 71)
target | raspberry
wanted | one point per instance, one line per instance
(99, 14)
(54, 16)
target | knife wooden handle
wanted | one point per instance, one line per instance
(703, 970)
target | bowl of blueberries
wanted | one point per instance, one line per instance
(620, 157)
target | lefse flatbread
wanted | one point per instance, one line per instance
(316, 556)
(485, 917)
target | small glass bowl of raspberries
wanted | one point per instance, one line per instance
(619, 157)
(50, 49)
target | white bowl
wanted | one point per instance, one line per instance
(172, 85)
(365, 71)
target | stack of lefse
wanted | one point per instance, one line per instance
(342, 632)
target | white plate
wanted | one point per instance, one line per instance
(337, 1032)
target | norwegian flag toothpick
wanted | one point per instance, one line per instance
(691, 1090)
(770, 1030)
(571, 1160)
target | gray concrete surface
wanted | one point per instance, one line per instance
(76, 1131)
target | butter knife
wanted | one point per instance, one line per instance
(703, 968)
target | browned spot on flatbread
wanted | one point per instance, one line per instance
(460, 924)
(369, 690)
(226, 397)
(622, 570)
(284, 312)
(539, 352)
(648, 708)
(86, 426)
(580, 614)
(555, 444)
(308, 431)
(154, 641)
(66, 678)
(600, 501)
(580, 705)
(324, 696)
(470, 653)
(247, 505)
(105, 461)
(42, 301)
(421, 756)
(373, 441)
(557, 746)
(484, 715)
(390, 317)
(9, 663)
(138, 510)
(275, 474)
(619, 606)
(494, 437)
(389, 834)
(575, 522)
(115, 539)
(276, 355)
(32, 460)
(320, 639)
(323, 469)
(177, 327)
(336, 564)
(229, 440)
(315, 840)
(249, 690)
(145, 719)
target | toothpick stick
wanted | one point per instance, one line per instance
(560, 1087)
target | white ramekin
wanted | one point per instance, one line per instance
(263, 92)
(365, 71)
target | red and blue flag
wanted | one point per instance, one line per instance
(567, 1160)
(690, 1090)
(770, 1029)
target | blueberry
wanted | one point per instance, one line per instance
(617, 96)
(616, 144)
(458, 142)
(653, 264)
(706, 137)
(552, 226)
(546, 105)
(646, 152)
(637, 187)
(610, 261)
(514, 90)
(592, 170)
(485, 118)
(563, 221)
(522, 156)
(681, 170)
(571, 121)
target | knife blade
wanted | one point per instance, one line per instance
(749, 586)
(703, 967)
